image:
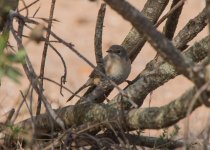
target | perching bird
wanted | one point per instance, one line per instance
(117, 67)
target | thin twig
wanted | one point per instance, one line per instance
(29, 5)
(173, 18)
(179, 4)
(63, 78)
(44, 54)
(20, 106)
(30, 72)
(9, 117)
(24, 4)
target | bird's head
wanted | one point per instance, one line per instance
(117, 50)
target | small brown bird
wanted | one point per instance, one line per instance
(117, 67)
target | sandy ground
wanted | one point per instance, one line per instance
(76, 25)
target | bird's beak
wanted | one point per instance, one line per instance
(109, 51)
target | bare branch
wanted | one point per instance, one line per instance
(142, 118)
(135, 40)
(98, 38)
(190, 30)
(30, 72)
(157, 73)
(172, 21)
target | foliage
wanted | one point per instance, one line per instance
(8, 60)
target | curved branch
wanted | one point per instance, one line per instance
(142, 118)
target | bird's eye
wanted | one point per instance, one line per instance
(117, 51)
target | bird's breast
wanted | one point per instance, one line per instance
(118, 69)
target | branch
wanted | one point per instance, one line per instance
(98, 38)
(27, 66)
(135, 40)
(44, 54)
(160, 43)
(157, 73)
(142, 118)
(190, 30)
(173, 18)
(152, 142)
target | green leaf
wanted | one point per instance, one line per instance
(2, 72)
(19, 57)
(3, 41)
(13, 73)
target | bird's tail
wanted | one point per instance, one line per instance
(88, 83)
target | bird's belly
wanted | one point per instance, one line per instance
(118, 72)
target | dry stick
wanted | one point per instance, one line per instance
(190, 108)
(146, 141)
(20, 106)
(31, 114)
(56, 51)
(30, 111)
(98, 38)
(160, 43)
(44, 54)
(31, 74)
(208, 17)
(9, 117)
(29, 5)
(58, 84)
(157, 117)
(63, 77)
(134, 41)
(190, 30)
(172, 10)
(173, 18)
(36, 12)
(25, 7)
(170, 25)
(84, 128)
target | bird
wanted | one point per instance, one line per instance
(117, 67)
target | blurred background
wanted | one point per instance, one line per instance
(76, 24)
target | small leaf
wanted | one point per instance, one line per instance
(19, 57)
(13, 73)
(3, 41)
